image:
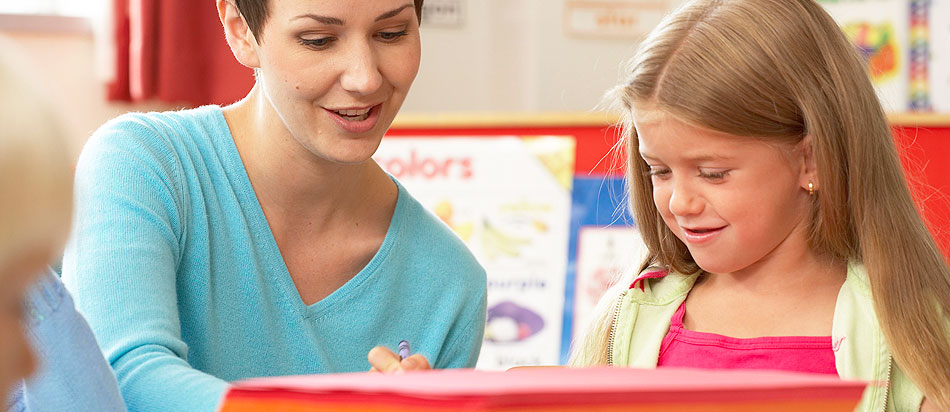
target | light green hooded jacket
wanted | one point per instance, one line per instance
(642, 319)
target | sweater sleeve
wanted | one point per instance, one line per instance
(121, 264)
(465, 337)
(72, 373)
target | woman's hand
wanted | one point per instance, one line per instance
(384, 360)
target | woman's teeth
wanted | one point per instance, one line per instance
(353, 115)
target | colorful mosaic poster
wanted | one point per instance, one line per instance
(880, 31)
(919, 57)
(509, 199)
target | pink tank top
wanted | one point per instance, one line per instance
(686, 348)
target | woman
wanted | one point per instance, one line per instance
(216, 244)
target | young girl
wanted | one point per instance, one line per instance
(38, 315)
(781, 231)
(35, 203)
(260, 239)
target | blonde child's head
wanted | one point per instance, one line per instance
(773, 70)
(35, 207)
(783, 73)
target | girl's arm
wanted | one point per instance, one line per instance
(121, 266)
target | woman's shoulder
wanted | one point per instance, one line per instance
(430, 238)
(157, 130)
(157, 141)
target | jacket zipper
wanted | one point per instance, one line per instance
(613, 329)
(887, 383)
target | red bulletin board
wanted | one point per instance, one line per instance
(924, 142)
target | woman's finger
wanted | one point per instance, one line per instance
(383, 360)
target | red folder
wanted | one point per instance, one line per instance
(548, 389)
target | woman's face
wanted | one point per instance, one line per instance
(336, 72)
(16, 357)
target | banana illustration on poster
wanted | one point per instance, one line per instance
(508, 198)
(879, 30)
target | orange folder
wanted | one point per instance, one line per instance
(548, 389)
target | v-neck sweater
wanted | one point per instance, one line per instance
(174, 265)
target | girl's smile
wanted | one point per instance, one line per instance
(698, 236)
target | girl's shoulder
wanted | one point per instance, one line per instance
(661, 283)
(857, 279)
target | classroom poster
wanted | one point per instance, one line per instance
(880, 31)
(603, 241)
(508, 198)
(630, 19)
(939, 71)
(604, 253)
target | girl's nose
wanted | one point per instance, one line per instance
(684, 201)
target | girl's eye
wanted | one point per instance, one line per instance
(316, 43)
(658, 172)
(718, 175)
(392, 35)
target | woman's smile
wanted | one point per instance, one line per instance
(356, 120)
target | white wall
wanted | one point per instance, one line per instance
(507, 56)
(514, 55)
(65, 63)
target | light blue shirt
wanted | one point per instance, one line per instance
(71, 373)
(179, 275)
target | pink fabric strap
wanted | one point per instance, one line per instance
(685, 348)
(647, 275)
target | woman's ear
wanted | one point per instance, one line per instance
(240, 38)
(808, 179)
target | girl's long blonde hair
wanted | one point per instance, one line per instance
(781, 70)
(35, 167)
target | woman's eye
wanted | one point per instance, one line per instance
(316, 43)
(392, 35)
(717, 175)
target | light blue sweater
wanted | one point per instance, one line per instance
(71, 375)
(176, 269)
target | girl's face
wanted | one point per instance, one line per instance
(336, 72)
(734, 201)
(16, 357)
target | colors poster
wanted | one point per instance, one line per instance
(509, 199)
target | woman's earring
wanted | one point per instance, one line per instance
(811, 189)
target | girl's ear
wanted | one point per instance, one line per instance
(240, 38)
(808, 178)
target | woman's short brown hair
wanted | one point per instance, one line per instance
(255, 13)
